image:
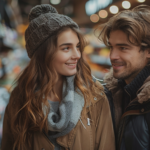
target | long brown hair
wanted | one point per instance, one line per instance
(134, 23)
(34, 85)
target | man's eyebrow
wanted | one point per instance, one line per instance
(120, 44)
(123, 44)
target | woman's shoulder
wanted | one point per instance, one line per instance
(98, 82)
(100, 98)
(99, 89)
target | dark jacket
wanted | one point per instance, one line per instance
(131, 121)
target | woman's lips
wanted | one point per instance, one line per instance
(71, 65)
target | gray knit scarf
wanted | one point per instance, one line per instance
(69, 110)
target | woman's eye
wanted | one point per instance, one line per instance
(66, 48)
(78, 47)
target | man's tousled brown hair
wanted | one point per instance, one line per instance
(34, 85)
(134, 23)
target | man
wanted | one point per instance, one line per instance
(128, 83)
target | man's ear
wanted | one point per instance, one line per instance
(148, 53)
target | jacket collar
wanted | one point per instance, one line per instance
(143, 93)
(67, 140)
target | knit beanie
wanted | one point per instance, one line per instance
(44, 20)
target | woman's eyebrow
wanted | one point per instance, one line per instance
(65, 44)
(68, 44)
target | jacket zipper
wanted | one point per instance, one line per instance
(123, 124)
(91, 139)
(90, 129)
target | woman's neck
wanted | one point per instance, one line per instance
(57, 89)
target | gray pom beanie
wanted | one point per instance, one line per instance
(43, 21)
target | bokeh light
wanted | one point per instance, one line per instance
(55, 2)
(114, 9)
(126, 4)
(103, 13)
(141, 1)
(94, 18)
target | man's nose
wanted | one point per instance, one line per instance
(114, 54)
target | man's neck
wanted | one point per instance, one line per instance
(132, 77)
(137, 82)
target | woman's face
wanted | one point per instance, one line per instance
(68, 53)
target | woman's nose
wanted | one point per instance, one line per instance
(76, 53)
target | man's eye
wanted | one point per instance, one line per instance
(123, 48)
(110, 47)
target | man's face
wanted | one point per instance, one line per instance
(127, 60)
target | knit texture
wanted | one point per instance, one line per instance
(44, 20)
(54, 106)
(138, 81)
(69, 111)
(130, 90)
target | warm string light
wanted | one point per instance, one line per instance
(103, 13)
(126, 4)
(141, 1)
(55, 2)
(94, 18)
(114, 9)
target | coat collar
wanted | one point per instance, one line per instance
(68, 140)
(143, 94)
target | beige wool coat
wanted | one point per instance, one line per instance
(99, 135)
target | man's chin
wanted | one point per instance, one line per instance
(117, 75)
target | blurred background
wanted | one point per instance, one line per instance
(88, 14)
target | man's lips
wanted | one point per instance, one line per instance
(117, 66)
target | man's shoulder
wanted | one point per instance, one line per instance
(144, 92)
(110, 82)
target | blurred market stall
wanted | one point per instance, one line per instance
(89, 15)
(13, 56)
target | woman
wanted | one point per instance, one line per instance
(56, 104)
